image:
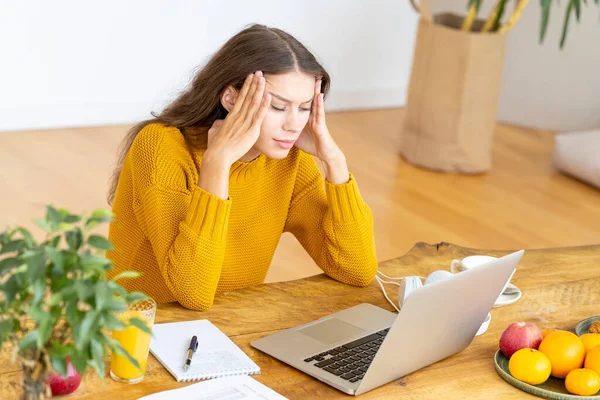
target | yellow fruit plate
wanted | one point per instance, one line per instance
(553, 388)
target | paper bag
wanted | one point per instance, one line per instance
(452, 96)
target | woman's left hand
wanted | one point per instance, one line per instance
(315, 139)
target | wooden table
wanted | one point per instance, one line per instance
(560, 288)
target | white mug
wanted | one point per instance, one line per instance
(457, 266)
(466, 263)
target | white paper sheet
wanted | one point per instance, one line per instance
(241, 387)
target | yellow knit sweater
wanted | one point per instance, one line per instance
(189, 244)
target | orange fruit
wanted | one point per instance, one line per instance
(530, 366)
(590, 340)
(592, 359)
(565, 351)
(583, 382)
(546, 332)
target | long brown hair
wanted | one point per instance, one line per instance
(256, 48)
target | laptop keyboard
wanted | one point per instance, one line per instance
(351, 360)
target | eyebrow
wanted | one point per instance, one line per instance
(289, 101)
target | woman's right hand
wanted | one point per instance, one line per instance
(230, 139)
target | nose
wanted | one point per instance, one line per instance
(293, 122)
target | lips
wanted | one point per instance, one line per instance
(285, 144)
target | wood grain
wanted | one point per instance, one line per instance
(522, 203)
(561, 286)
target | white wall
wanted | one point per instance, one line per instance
(77, 63)
(545, 87)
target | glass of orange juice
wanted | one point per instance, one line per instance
(135, 341)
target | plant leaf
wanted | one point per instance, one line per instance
(98, 351)
(9, 263)
(115, 287)
(71, 219)
(545, 5)
(92, 261)
(55, 299)
(563, 37)
(53, 216)
(29, 241)
(115, 305)
(100, 242)
(116, 347)
(85, 329)
(44, 325)
(14, 245)
(39, 287)
(74, 239)
(63, 226)
(55, 313)
(98, 366)
(58, 354)
(134, 297)
(59, 364)
(112, 323)
(72, 313)
(36, 266)
(57, 257)
(126, 275)
(28, 341)
(577, 6)
(84, 289)
(7, 328)
(102, 213)
(12, 286)
(42, 223)
(103, 294)
(79, 360)
(140, 324)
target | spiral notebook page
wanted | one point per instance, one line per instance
(217, 356)
(232, 388)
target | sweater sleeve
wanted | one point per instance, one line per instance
(188, 235)
(185, 225)
(334, 225)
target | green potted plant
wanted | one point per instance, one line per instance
(56, 304)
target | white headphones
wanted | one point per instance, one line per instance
(410, 283)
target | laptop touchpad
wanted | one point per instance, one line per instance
(331, 330)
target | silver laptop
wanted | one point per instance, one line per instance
(363, 347)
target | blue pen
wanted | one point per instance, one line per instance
(191, 350)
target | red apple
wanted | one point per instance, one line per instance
(520, 335)
(60, 385)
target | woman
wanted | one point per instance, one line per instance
(202, 192)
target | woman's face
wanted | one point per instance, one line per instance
(291, 98)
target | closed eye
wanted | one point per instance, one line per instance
(283, 109)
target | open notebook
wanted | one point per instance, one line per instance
(217, 356)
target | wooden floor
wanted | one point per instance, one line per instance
(522, 203)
